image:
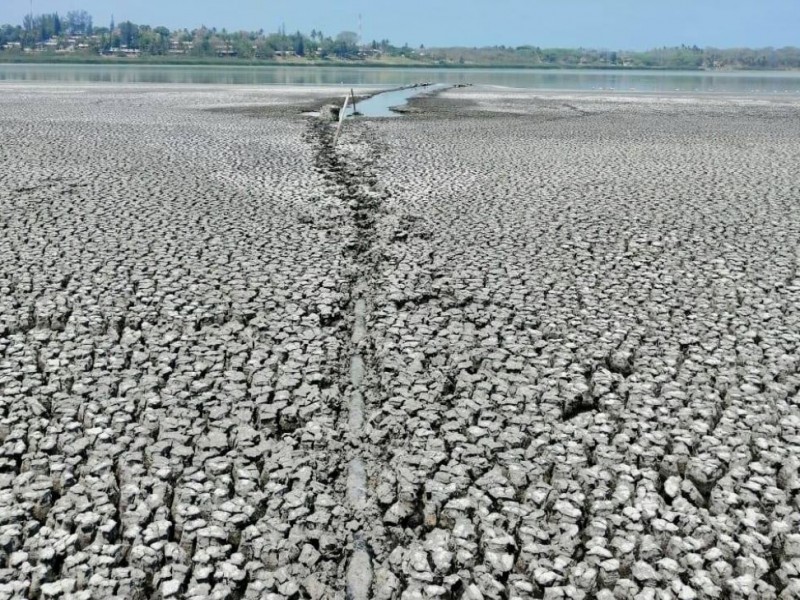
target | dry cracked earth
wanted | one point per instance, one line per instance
(513, 346)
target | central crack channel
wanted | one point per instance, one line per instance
(354, 186)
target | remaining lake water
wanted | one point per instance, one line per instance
(739, 82)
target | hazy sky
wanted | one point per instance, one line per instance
(617, 24)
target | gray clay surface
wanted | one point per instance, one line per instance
(514, 346)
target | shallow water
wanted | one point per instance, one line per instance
(381, 105)
(748, 82)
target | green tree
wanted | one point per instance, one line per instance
(345, 45)
(129, 35)
(263, 50)
(78, 22)
(201, 42)
(242, 45)
(299, 44)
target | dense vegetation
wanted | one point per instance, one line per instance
(74, 35)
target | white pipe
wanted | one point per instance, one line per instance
(342, 114)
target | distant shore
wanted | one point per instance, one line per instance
(41, 58)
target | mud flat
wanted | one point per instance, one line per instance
(585, 325)
(173, 347)
(514, 346)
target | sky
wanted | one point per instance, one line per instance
(608, 24)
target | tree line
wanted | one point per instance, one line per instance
(76, 32)
(44, 27)
(681, 57)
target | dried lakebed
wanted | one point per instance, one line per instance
(514, 346)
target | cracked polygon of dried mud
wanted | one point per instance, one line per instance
(575, 317)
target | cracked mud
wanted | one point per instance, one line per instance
(514, 347)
